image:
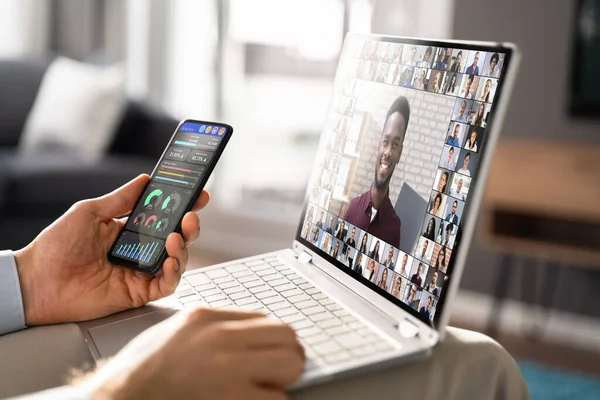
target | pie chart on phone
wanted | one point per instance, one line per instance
(154, 197)
(151, 221)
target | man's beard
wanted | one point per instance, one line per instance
(380, 185)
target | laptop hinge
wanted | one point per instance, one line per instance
(304, 257)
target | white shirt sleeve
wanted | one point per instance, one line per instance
(12, 316)
(61, 393)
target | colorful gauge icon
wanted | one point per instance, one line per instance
(162, 225)
(171, 203)
(151, 221)
(152, 201)
(139, 219)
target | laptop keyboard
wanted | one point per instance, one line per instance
(329, 333)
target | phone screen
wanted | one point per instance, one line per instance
(174, 186)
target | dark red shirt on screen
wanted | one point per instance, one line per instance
(385, 225)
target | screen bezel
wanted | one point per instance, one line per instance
(459, 247)
(154, 268)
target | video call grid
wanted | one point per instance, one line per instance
(416, 279)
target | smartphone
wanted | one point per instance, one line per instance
(174, 187)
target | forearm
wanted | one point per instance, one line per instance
(12, 316)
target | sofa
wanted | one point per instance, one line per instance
(36, 188)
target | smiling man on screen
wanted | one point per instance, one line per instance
(373, 211)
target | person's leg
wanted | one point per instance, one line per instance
(467, 365)
(40, 358)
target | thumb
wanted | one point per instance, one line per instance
(121, 201)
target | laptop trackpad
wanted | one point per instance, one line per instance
(111, 338)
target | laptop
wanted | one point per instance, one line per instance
(389, 214)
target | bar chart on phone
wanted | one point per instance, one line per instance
(179, 174)
(135, 247)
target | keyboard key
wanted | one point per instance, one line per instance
(319, 296)
(236, 268)
(313, 310)
(349, 319)
(293, 276)
(224, 279)
(298, 281)
(305, 286)
(285, 311)
(183, 286)
(337, 330)
(187, 299)
(271, 259)
(206, 286)
(299, 298)
(272, 277)
(341, 313)
(316, 339)
(371, 338)
(338, 357)
(277, 264)
(334, 307)
(216, 273)
(280, 266)
(363, 351)
(253, 307)
(326, 301)
(356, 325)
(304, 323)
(254, 263)
(221, 303)
(215, 297)
(233, 289)
(240, 295)
(278, 306)
(320, 317)
(257, 289)
(260, 267)
(197, 279)
(271, 300)
(278, 282)
(196, 304)
(247, 278)
(290, 293)
(229, 284)
(264, 272)
(305, 304)
(288, 319)
(286, 272)
(282, 288)
(265, 294)
(242, 273)
(326, 348)
(245, 300)
(184, 293)
(350, 340)
(210, 292)
(328, 323)
(313, 330)
(254, 283)
(312, 291)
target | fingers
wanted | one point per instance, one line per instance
(120, 201)
(176, 249)
(202, 201)
(258, 334)
(190, 227)
(273, 367)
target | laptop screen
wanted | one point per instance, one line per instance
(398, 157)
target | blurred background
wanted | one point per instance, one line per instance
(267, 67)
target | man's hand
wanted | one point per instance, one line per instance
(65, 274)
(203, 354)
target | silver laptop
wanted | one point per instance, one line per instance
(389, 213)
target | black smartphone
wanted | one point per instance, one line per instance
(174, 187)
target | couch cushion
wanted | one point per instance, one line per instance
(49, 182)
(19, 83)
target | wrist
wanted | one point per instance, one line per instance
(25, 274)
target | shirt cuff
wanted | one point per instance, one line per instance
(12, 316)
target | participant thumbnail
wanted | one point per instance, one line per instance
(439, 260)
(449, 157)
(456, 134)
(376, 249)
(469, 86)
(370, 272)
(326, 242)
(467, 163)
(329, 223)
(474, 137)
(442, 180)
(424, 250)
(368, 71)
(426, 57)
(336, 248)
(473, 61)
(459, 188)
(440, 58)
(340, 230)
(352, 236)
(306, 230)
(360, 263)
(347, 256)
(365, 242)
(434, 282)
(397, 285)
(449, 235)
(479, 114)
(411, 57)
(418, 273)
(437, 202)
(319, 220)
(407, 76)
(389, 256)
(434, 80)
(398, 52)
(454, 210)
(487, 90)
(403, 265)
(315, 237)
(393, 76)
(420, 79)
(426, 305)
(430, 227)
(384, 278)
(457, 63)
(461, 110)
(493, 65)
(382, 71)
(451, 85)
(413, 296)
